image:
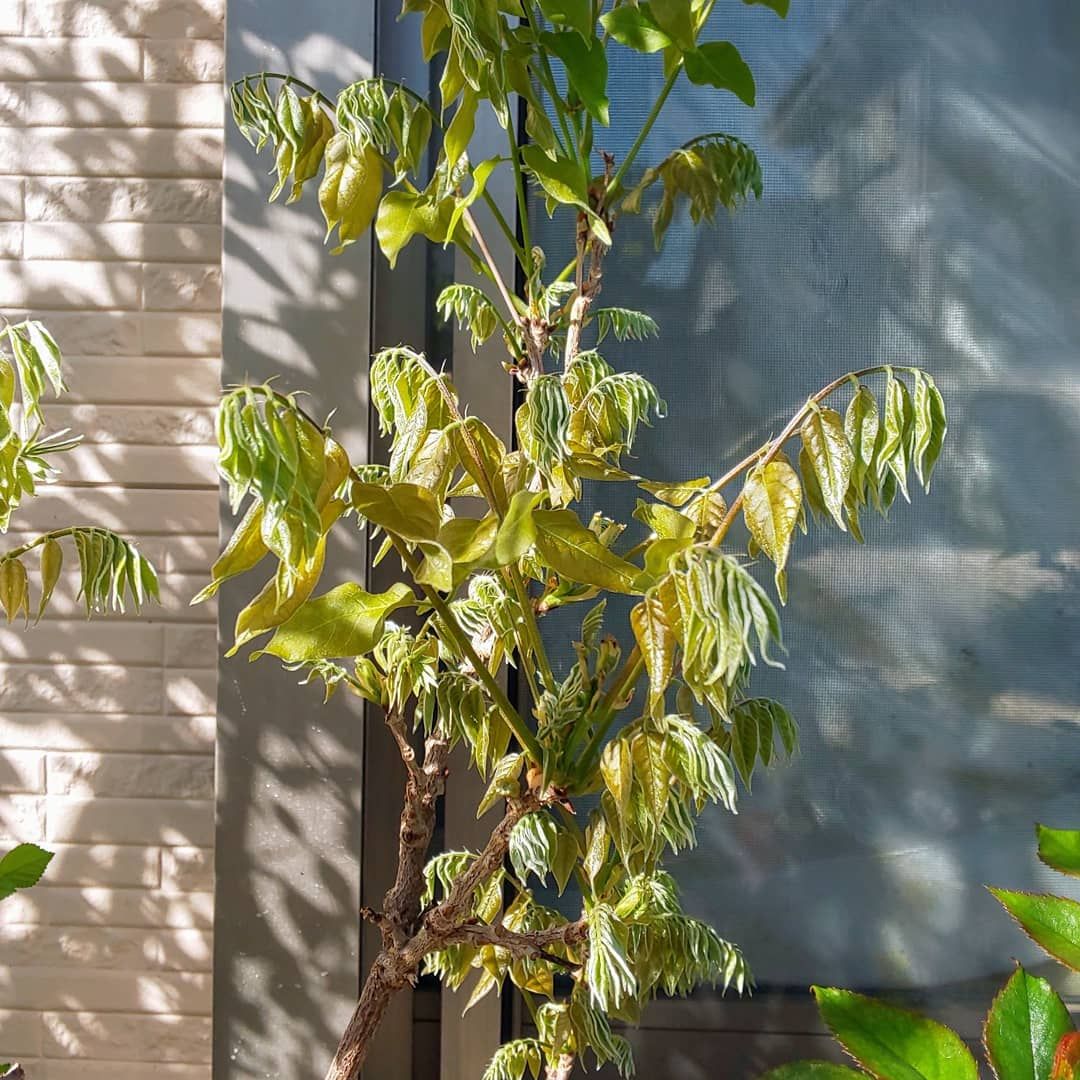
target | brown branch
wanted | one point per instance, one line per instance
(398, 964)
(590, 249)
(424, 786)
(524, 944)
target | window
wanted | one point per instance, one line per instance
(921, 164)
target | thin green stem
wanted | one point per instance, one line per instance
(521, 193)
(547, 79)
(292, 80)
(507, 231)
(654, 113)
(58, 534)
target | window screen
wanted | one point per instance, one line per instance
(922, 206)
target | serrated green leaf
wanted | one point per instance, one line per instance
(831, 457)
(22, 867)
(575, 552)
(1024, 1027)
(894, 1043)
(720, 64)
(1060, 849)
(1052, 922)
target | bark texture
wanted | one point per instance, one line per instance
(409, 934)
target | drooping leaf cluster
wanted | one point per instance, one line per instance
(1029, 1033)
(112, 572)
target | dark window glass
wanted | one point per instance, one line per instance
(922, 206)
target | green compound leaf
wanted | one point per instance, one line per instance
(1025, 1025)
(892, 1043)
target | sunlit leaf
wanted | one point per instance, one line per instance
(892, 1042)
(1052, 922)
(1060, 849)
(1024, 1027)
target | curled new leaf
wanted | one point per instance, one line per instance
(710, 171)
(350, 189)
(269, 449)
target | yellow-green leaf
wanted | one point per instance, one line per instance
(344, 622)
(772, 498)
(653, 623)
(517, 533)
(52, 562)
(651, 772)
(616, 768)
(831, 456)
(245, 550)
(405, 510)
(575, 552)
(350, 189)
(279, 598)
(14, 588)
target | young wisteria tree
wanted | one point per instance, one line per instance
(111, 570)
(657, 727)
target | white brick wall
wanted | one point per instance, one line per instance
(110, 203)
